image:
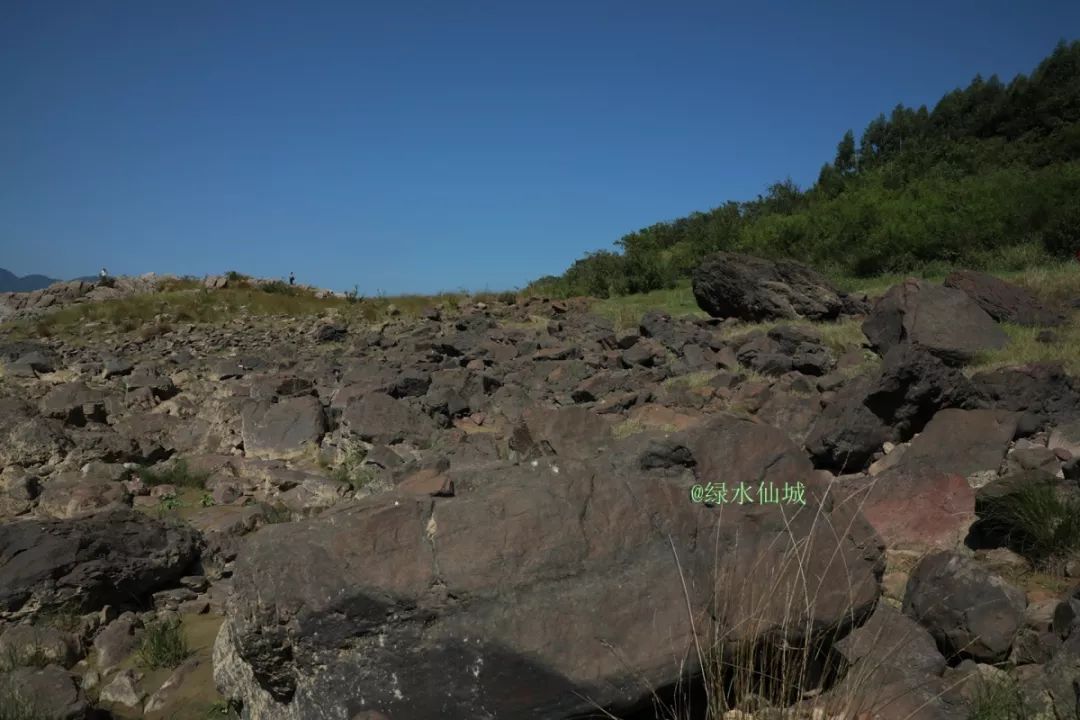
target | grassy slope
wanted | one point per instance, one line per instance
(184, 303)
(1055, 284)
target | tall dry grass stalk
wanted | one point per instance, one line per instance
(758, 653)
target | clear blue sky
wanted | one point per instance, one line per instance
(422, 146)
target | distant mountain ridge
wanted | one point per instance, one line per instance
(10, 282)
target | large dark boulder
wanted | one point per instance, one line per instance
(49, 692)
(1003, 301)
(941, 320)
(287, 428)
(891, 404)
(962, 442)
(377, 417)
(74, 403)
(1043, 391)
(894, 671)
(970, 612)
(913, 509)
(741, 286)
(113, 558)
(490, 604)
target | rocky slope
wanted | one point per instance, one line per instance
(521, 511)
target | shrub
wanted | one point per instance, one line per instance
(1061, 237)
(280, 287)
(351, 470)
(163, 645)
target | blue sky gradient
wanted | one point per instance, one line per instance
(426, 146)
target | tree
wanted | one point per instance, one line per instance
(845, 154)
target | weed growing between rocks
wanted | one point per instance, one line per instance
(999, 699)
(222, 710)
(32, 656)
(178, 474)
(163, 645)
(1037, 519)
(66, 619)
(762, 653)
(1036, 345)
(169, 503)
(15, 705)
(351, 470)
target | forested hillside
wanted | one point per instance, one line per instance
(989, 178)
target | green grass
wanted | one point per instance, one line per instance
(839, 336)
(1037, 520)
(998, 699)
(17, 705)
(351, 470)
(33, 656)
(163, 645)
(1053, 282)
(177, 473)
(222, 710)
(625, 311)
(1024, 347)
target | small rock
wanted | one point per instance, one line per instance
(171, 599)
(168, 690)
(330, 332)
(115, 367)
(1036, 458)
(198, 583)
(428, 482)
(1067, 437)
(981, 479)
(124, 690)
(115, 642)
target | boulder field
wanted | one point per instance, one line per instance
(519, 510)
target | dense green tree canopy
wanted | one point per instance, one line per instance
(989, 178)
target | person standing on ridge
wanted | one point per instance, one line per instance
(103, 275)
(292, 279)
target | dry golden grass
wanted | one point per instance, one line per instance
(139, 312)
(1024, 347)
(1055, 284)
(839, 336)
(788, 672)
